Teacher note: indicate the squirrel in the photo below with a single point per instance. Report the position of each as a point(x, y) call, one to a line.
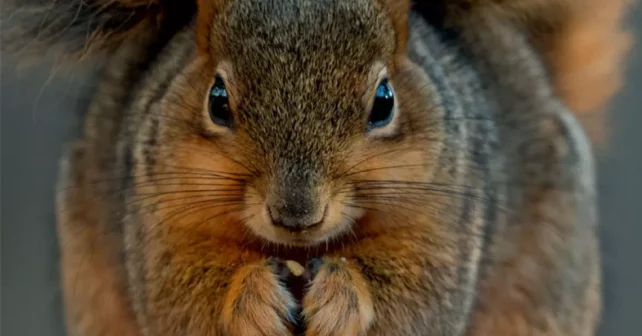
point(424, 161)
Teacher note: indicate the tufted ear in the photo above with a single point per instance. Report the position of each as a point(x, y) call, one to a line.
point(398, 11)
point(582, 42)
point(75, 30)
point(208, 10)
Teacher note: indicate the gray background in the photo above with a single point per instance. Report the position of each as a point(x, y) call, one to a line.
point(38, 114)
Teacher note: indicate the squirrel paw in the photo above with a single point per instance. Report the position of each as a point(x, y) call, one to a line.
point(337, 302)
point(258, 303)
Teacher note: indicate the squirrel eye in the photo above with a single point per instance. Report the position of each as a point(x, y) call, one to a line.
point(383, 108)
point(219, 104)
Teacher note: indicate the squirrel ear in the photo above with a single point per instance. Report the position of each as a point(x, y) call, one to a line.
point(74, 30)
point(398, 11)
point(207, 12)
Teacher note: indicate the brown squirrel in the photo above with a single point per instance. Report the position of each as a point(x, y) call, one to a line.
point(420, 159)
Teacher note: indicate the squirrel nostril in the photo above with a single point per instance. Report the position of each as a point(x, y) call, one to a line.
point(324, 214)
point(274, 216)
point(296, 221)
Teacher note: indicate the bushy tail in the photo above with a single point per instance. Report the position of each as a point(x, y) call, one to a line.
point(584, 43)
point(74, 30)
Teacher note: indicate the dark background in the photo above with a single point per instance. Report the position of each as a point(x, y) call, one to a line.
point(38, 115)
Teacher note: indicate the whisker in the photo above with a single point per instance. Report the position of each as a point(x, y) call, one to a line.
point(187, 210)
point(361, 207)
point(190, 191)
point(199, 149)
point(223, 213)
point(208, 198)
point(144, 196)
point(194, 204)
point(162, 177)
point(396, 206)
point(368, 158)
point(384, 168)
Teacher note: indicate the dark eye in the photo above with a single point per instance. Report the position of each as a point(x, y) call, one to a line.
point(383, 108)
point(219, 104)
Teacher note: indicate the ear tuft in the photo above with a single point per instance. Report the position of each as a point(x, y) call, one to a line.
point(208, 10)
point(397, 11)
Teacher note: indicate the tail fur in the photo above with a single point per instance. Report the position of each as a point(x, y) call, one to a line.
point(584, 44)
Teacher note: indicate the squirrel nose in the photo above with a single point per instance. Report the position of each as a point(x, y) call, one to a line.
point(296, 218)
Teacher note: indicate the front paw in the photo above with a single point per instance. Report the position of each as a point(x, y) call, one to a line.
point(258, 303)
point(337, 302)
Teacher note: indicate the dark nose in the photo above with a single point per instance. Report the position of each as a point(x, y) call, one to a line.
point(296, 217)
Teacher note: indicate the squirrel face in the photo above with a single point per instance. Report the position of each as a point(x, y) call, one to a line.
point(302, 102)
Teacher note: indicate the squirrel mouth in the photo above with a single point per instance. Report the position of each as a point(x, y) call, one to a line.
point(305, 238)
point(302, 250)
point(325, 235)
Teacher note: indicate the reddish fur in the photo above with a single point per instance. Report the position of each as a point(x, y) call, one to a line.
point(584, 45)
point(255, 304)
point(89, 280)
point(331, 296)
point(398, 12)
point(587, 58)
point(208, 10)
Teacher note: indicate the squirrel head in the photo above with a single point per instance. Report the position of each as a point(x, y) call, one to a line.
point(304, 108)
point(305, 94)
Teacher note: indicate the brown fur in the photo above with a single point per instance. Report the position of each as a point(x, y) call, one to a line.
point(64, 26)
point(587, 58)
point(472, 213)
point(256, 303)
point(584, 44)
point(339, 294)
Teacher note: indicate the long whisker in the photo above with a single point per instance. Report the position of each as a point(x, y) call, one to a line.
point(384, 168)
point(238, 208)
point(199, 149)
point(168, 175)
point(150, 195)
point(393, 205)
point(423, 192)
point(194, 205)
point(368, 158)
point(208, 198)
point(190, 209)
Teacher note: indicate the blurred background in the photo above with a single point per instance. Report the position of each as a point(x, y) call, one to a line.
point(38, 115)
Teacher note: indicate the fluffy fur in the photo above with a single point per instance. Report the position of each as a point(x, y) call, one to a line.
point(74, 30)
point(584, 44)
point(472, 214)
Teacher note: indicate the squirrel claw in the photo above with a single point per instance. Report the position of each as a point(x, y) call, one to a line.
point(312, 268)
